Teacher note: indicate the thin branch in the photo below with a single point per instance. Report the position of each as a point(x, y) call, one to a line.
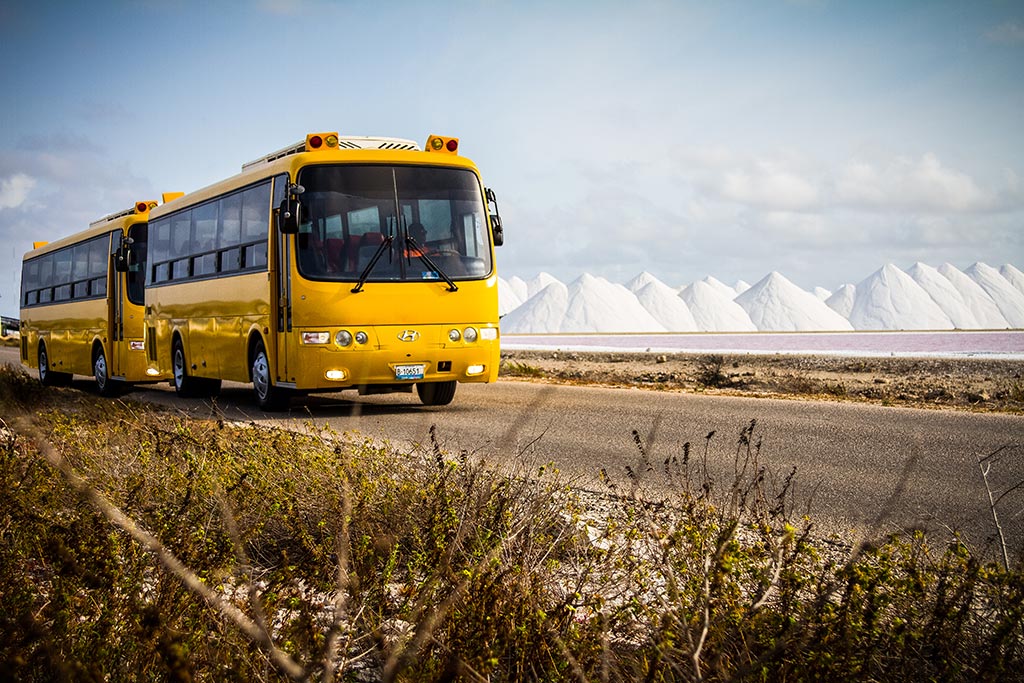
point(282, 660)
point(984, 465)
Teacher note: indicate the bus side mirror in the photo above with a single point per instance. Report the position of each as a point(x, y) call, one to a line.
point(287, 217)
point(496, 230)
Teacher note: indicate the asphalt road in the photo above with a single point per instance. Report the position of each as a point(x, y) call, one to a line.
point(862, 468)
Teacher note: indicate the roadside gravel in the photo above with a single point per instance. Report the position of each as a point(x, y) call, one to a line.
point(976, 384)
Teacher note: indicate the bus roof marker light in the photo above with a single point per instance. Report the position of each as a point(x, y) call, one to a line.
point(440, 143)
point(319, 141)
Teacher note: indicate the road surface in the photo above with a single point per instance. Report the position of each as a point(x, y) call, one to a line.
point(863, 468)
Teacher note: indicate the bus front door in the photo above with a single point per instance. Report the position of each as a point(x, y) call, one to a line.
point(284, 372)
point(116, 347)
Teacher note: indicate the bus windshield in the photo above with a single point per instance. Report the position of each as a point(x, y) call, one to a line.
point(434, 217)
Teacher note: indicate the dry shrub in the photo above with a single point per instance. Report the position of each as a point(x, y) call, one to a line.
point(362, 562)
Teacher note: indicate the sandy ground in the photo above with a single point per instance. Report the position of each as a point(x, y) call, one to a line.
point(961, 383)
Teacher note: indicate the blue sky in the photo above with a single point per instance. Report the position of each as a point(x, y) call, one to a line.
point(818, 138)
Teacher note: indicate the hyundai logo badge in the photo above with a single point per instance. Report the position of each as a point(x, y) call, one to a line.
point(409, 335)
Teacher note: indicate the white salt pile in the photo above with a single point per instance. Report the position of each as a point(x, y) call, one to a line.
point(776, 304)
point(724, 289)
point(538, 283)
point(542, 313)
point(977, 299)
point(923, 298)
point(841, 300)
point(889, 299)
point(943, 293)
point(714, 311)
point(596, 305)
point(1008, 300)
point(508, 299)
point(1014, 276)
point(518, 285)
point(640, 281)
point(662, 302)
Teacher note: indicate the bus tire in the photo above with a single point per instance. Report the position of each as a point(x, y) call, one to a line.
point(48, 377)
point(105, 386)
point(185, 385)
point(268, 396)
point(436, 393)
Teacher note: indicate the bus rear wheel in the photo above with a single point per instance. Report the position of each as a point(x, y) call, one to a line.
point(186, 385)
point(268, 396)
point(47, 377)
point(436, 393)
point(105, 386)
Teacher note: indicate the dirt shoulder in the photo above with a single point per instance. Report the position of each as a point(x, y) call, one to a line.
point(975, 384)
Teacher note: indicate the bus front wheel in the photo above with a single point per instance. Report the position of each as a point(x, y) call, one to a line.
point(47, 376)
point(436, 393)
point(105, 386)
point(186, 385)
point(268, 396)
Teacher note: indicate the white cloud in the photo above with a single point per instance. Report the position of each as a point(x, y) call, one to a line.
point(767, 184)
point(1007, 33)
point(902, 183)
point(14, 190)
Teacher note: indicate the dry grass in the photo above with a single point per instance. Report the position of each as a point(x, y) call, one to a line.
point(140, 544)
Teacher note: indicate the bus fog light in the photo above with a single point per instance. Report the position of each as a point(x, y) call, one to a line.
point(316, 337)
point(470, 334)
point(361, 338)
point(474, 369)
point(343, 338)
point(489, 333)
point(137, 345)
point(336, 375)
point(454, 335)
point(152, 372)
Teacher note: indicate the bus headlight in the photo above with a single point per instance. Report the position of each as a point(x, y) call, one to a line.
point(361, 338)
point(489, 333)
point(470, 334)
point(454, 335)
point(316, 337)
point(343, 338)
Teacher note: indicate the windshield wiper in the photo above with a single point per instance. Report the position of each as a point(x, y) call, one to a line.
point(415, 248)
point(369, 266)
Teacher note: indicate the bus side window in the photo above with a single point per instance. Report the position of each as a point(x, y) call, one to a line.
point(255, 223)
point(180, 244)
point(229, 232)
point(98, 262)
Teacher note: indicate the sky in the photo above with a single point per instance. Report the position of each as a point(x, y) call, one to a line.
point(818, 138)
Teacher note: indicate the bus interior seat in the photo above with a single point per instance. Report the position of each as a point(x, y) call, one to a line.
point(368, 245)
point(337, 260)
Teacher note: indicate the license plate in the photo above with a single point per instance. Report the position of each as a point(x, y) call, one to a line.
point(409, 372)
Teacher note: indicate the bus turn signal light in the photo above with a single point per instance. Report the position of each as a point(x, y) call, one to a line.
point(438, 143)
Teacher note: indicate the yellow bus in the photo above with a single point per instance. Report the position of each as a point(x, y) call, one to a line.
point(82, 303)
point(334, 263)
